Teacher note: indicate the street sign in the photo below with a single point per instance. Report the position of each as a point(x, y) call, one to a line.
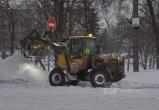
point(51, 24)
point(135, 22)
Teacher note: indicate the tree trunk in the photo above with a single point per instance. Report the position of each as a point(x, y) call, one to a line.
point(12, 36)
point(128, 63)
point(86, 16)
point(59, 11)
point(11, 27)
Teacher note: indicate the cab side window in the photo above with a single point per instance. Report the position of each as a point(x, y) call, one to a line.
point(90, 47)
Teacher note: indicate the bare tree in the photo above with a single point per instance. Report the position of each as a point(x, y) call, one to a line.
point(155, 28)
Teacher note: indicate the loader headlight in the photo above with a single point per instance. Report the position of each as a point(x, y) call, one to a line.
point(120, 60)
point(36, 46)
point(90, 35)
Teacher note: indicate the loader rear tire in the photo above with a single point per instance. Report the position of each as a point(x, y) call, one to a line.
point(56, 78)
point(99, 79)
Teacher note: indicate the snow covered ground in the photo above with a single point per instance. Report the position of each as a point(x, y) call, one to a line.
point(23, 86)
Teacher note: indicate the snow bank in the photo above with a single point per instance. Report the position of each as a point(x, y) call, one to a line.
point(140, 80)
point(16, 69)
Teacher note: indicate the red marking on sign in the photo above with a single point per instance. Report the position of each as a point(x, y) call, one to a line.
point(51, 24)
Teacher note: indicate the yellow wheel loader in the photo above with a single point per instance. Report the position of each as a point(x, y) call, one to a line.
point(77, 59)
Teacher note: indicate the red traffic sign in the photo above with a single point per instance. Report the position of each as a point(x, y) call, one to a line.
point(51, 24)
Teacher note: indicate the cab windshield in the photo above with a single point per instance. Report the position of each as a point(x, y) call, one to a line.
point(76, 48)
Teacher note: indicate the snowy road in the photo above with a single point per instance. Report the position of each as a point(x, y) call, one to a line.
point(18, 97)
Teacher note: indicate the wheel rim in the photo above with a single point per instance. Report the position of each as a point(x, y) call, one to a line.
point(56, 78)
point(99, 79)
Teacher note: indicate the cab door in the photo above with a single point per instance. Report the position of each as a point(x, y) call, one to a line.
point(89, 53)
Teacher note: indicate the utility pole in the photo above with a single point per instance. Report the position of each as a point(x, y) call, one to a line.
point(135, 25)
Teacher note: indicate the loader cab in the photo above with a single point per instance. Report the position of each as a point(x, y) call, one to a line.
point(80, 46)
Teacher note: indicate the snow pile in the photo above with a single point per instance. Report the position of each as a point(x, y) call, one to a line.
point(33, 74)
point(19, 69)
